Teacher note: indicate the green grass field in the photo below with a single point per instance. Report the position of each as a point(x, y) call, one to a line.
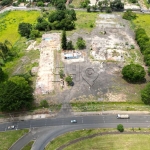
point(85, 21)
point(114, 142)
point(105, 142)
point(67, 137)
point(9, 22)
point(143, 20)
point(9, 137)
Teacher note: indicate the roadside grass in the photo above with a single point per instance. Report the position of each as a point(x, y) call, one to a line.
point(67, 137)
point(114, 142)
point(9, 22)
point(108, 106)
point(70, 136)
point(143, 21)
point(28, 146)
point(9, 137)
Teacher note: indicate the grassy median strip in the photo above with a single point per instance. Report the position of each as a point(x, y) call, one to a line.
point(28, 146)
point(9, 137)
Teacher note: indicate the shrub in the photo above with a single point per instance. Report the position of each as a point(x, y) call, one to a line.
point(133, 73)
point(68, 79)
point(120, 127)
point(44, 103)
point(129, 15)
point(80, 43)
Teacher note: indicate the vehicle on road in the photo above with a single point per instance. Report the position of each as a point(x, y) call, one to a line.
point(11, 127)
point(73, 121)
point(123, 116)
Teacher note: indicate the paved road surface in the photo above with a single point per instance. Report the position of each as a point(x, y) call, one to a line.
point(104, 119)
point(51, 128)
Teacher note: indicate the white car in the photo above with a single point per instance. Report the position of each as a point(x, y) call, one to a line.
point(73, 121)
point(11, 127)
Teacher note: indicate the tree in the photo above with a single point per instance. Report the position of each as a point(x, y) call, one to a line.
point(117, 5)
point(80, 43)
point(133, 73)
point(70, 45)
point(25, 29)
point(40, 4)
point(68, 79)
point(120, 127)
point(2, 75)
point(88, 8)
point(6, 2)
point(100, 5)
point(15, 94)
point(34, 34)
point(64, 40)
point(5, 49)
point(129, 15)
point(145, 94)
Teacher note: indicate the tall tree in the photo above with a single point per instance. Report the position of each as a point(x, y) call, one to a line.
point(64, 40)
point(24, 29)
point(15, 94)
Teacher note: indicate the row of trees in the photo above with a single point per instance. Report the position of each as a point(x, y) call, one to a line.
point(144, 43)
point(60, 19)
point(67, 45)
point(106, 5)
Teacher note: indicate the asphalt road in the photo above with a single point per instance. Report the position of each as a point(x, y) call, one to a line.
point(98, 119)
point(53, 127)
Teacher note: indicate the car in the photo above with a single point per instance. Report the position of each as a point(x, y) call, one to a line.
point(11, 127)
point(73, 121)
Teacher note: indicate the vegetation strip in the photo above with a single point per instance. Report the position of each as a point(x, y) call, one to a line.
point(98, 134)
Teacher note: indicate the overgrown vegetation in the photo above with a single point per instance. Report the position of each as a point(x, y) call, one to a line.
point(129, 15)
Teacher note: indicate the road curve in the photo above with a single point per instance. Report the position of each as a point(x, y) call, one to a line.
point(52, 128)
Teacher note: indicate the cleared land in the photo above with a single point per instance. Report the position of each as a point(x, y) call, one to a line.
point(143, 21)
point(9, 137)
point(9, 22)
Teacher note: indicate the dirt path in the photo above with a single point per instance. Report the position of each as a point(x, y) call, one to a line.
point(95, 135)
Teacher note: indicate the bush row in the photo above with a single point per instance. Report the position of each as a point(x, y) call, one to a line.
point(144, 43)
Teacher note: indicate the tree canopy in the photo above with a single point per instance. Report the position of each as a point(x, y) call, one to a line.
point(80, 43)
point(133, 73)
point(145, 94)
point(25, 29)
point(15, 94)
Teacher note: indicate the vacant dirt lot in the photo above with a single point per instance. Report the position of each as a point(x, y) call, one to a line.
point(109, 47)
